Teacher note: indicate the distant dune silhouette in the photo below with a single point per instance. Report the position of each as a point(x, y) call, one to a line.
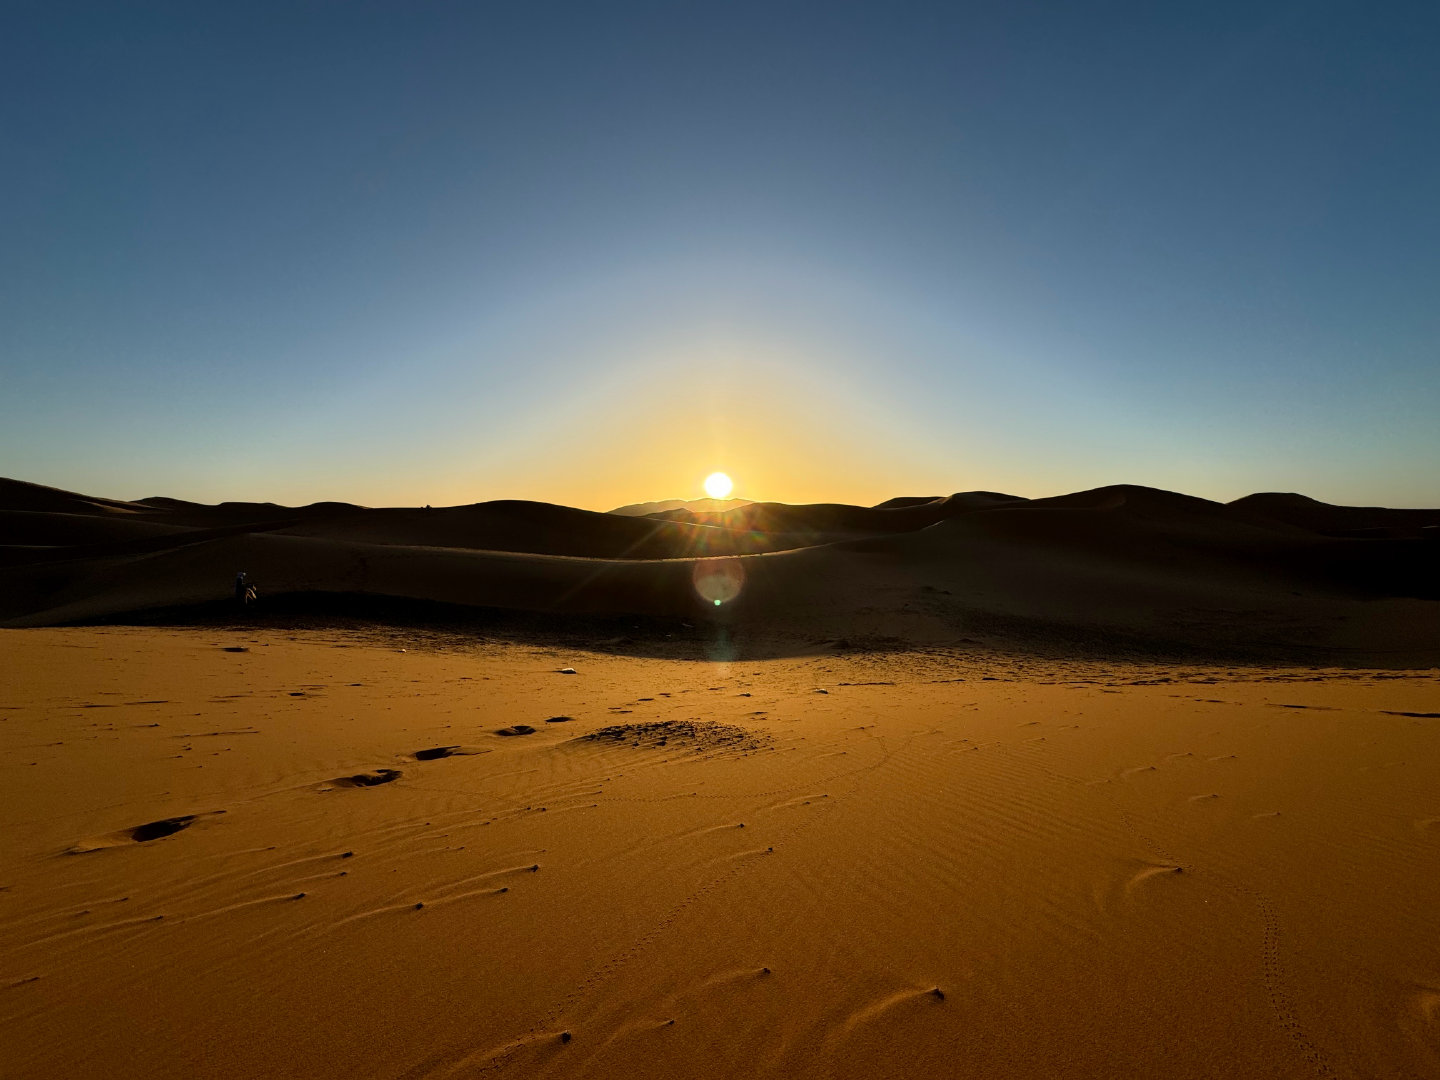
point(698, 505)
point(1116, 568)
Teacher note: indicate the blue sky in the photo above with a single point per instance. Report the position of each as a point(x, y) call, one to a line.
point(410, 253)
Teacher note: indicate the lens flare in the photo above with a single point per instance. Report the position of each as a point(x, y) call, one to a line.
point(718, 581)
point(718, 485)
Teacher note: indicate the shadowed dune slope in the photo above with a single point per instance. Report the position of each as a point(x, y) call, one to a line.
point(1303, 512)
point(1121, 566)
point(43, 529)
point(542, 529)
point(827, 521)
point(37, 498)
point(967, 500)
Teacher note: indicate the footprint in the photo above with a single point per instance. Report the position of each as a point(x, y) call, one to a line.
point(139, 834)
point(434, 753)
point(154, 830)
point(367, 779)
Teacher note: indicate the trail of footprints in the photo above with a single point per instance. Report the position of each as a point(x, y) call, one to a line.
point(701, 736)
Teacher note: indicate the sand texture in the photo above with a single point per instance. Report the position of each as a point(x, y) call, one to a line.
point(255, 852)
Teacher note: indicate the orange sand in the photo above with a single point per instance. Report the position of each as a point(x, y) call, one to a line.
point(1105, 869)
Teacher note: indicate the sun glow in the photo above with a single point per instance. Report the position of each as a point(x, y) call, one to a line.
point(718, 485)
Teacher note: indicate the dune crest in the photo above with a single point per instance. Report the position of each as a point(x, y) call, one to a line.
point(1117, 568)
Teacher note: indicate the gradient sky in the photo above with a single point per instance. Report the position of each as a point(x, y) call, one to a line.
point(588, 253)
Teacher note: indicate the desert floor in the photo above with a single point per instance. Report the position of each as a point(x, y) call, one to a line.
point(838, 865)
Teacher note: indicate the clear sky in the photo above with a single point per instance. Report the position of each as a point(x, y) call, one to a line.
point(589, 253)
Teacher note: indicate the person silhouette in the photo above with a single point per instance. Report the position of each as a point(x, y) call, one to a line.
point(245, 591)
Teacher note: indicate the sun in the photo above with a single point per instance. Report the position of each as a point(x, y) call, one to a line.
point(718, 485)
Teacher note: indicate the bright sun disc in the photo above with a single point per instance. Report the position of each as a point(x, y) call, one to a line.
point(718, 485)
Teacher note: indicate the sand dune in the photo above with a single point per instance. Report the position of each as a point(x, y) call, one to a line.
point(1116, 783)
point(696, 505)
point(1331, 520)
point(1106, 569)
